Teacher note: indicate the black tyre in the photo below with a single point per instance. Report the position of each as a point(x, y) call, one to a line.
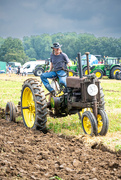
point(10, 112)
point(89, 123)
point(113, 72)
point(102, 122)
point(118, 75)
point(102, 101)
point(98, 73)
point(38, 71)
point(33, 105)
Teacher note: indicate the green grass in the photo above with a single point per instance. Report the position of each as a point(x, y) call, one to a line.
point(70, 125)
point(56, 177)
point(112, 91)
point(118, 147)
point(9, 91)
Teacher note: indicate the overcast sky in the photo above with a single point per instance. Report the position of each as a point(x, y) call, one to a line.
point(19, 18)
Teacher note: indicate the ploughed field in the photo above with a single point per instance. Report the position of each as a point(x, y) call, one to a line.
point(32, 155)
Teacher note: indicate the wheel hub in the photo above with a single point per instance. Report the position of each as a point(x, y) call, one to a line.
point(87, 125)
point(29, 110)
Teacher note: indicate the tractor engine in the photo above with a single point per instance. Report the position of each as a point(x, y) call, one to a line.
point(80, 93)
point(74, 95)
point(84, 92)
point(60, 103)
point(59, 106)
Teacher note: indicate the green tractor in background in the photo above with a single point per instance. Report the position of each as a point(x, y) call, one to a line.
point(108, 68)
point(41, 68)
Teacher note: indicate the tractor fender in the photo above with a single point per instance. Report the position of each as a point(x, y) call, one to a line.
point(117, 65)
point(85, 66)
point(38, 66)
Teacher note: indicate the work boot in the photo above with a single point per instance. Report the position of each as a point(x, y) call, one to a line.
point(53, 93)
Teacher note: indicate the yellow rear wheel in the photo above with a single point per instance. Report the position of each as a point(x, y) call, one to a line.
point(28, 105)
point(33, 105)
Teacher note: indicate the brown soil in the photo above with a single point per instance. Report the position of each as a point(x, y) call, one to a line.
point(32, 155)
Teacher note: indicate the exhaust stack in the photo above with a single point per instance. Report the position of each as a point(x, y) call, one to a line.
point(80, 65)
point(87, 55)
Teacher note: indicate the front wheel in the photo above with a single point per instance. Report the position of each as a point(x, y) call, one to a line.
point(33, 105)
point(102, 122)
point(118, 75)
point(89, 123)
point(98, 73)
point(38, 71)
point(113, 72)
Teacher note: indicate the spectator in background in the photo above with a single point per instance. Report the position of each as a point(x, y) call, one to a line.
point(9, 70)
point(18, 71)
point(21, 71)
point(25, 71)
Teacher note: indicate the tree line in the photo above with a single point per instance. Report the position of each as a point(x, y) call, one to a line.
point(39, 47)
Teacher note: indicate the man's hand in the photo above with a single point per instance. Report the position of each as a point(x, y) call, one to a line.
point(69, 64)
point(51, 66)
point(48, 70)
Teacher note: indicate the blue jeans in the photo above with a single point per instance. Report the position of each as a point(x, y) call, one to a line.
point(60, 74)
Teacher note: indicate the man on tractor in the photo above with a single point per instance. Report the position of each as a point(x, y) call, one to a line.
point(58, 62)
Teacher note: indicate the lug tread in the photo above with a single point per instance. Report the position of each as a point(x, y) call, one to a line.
point(40, 103)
